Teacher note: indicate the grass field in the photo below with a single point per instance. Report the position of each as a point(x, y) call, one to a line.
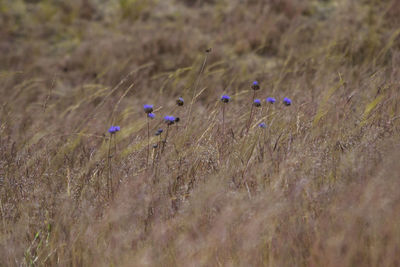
point(318, 186)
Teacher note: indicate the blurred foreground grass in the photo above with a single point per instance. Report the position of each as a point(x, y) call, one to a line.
point(318, 187)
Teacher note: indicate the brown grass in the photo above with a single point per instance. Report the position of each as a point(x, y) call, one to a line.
point(318, 187)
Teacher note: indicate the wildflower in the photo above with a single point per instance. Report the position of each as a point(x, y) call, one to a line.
point(112, 130)
point(287, 101)
point(255, 85)
point(225, 98)
point(180, 101)
point(257, 102)
point(262, 125)
point(169, 120)
point(151, 115)
point(148, 108)
point(159, 132)
point(117, 128)
point(270, 100)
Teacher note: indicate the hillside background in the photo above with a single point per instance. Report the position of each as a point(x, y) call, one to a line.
point(318, 187)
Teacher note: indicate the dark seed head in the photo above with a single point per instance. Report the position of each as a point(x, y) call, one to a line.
point(180, 101)
point(159, 132)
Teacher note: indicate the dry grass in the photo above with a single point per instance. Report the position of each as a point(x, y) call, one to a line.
point(318, 187)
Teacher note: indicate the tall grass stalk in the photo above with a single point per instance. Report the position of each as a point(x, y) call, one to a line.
point(196, 85)
point(251, 112)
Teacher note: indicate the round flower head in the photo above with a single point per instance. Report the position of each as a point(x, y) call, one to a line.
point(117, 128)
point(151, 115)
point(177, 119)
point(225, 98)
point(159, 131)
point(257, 102)
point(180, 101)
point(287, 101)
point(262, 125)
point(148, 108)
point(255, 85)
point(112, 130)
point(169, 120)
point(271, 100)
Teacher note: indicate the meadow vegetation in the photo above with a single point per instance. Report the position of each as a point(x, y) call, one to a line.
point(318, 186)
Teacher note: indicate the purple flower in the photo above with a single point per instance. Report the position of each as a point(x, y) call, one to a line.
point(151, 115)
point(257, 102)
point(271, 100)
point(262, 125)
point(287, 101)
point(148, 108)
point(255, 85)
point(111, 130)
point(225, 98)
point(180, 101)
point(169, 120)
point(114, 129)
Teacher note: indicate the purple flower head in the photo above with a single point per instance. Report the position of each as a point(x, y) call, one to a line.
point(148, 108)
point(257, 102)
point(262, 125)
point(225, 98)
point(180, 101)
point(114, 129)
point(159, 132)
point(111, 130)
point(287, 101)
point(151, 115)
point(270, 100)
point(169, 120)
point(255, 85)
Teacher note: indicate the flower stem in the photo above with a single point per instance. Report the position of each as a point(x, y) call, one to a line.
point(109, 179)
point(223, 119)
point(148, 141)
point(251, 111)
point(165, 140)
